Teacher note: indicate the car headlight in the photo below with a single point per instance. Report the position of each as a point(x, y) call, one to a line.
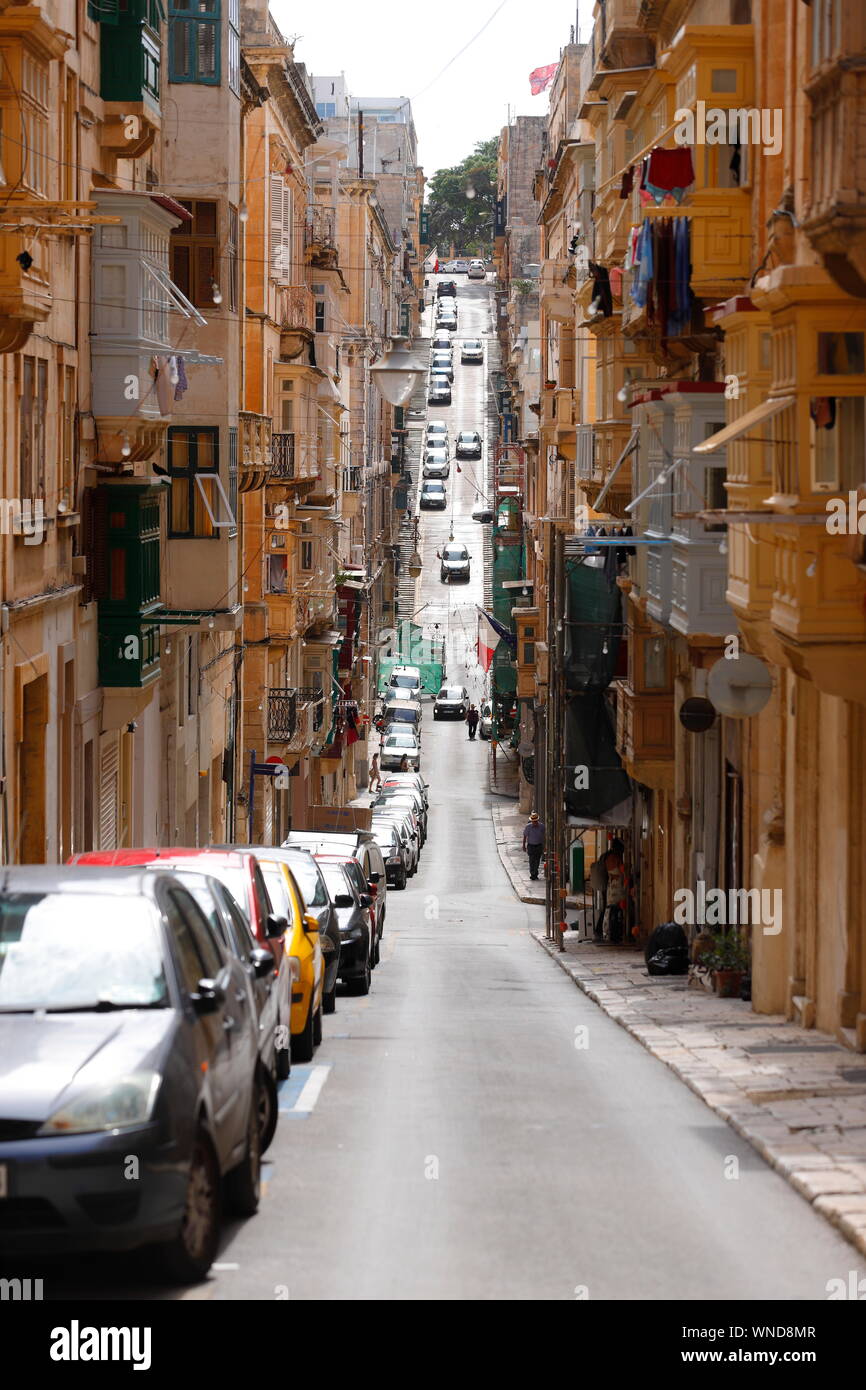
point(294, 967)
point(120, 1104)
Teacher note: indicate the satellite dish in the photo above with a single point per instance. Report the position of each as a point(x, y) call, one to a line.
point(740, 686)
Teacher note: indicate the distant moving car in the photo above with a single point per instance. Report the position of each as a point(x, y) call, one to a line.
point(436, 464)
point(455, 562)
point(472, 350)
point(485, 723)
point(357, 932)
point(446, 289)
point(476, 270)
point(406, 680)
point(452, 702)
point(468, 445)
point(124, 1029)
point(442, 364)
point(396, 747)
point(433, 494)
point(439, 391)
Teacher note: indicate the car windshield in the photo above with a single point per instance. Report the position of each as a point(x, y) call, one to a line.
point(452, 693)
point(468, 437)
point(278, 890)
point(309, 881)
point(335, 878)
point(405, 682)
point(400, 715)
point(437, 456)
point(400, 741)
point(454, 552)
point(472, 343)
point(432, 486)
point(67, 951)
point(234, 878)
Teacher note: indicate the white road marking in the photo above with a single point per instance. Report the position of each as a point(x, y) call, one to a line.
point(306, 1102)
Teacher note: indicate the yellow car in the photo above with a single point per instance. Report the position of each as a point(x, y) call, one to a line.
point(302, 945)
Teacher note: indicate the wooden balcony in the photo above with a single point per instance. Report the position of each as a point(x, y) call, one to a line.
point(557, 296)
point(25, 290)
point(254, 446)
point(645, 735)
point(835, 220)
point(296, 311)
point(320, 237)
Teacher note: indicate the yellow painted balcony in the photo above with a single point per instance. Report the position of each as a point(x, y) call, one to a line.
point(254, 450)
point(818, 609)
point(645, 732)
point(557, 296)
point(835, 221)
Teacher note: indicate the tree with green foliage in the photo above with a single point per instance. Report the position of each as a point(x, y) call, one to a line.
point(461, 203)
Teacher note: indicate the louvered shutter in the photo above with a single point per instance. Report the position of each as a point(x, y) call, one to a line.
point(288, 232)
point(279, 242)
point(109, 773)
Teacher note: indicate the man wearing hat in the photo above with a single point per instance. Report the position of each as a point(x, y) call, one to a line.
point(533, 843)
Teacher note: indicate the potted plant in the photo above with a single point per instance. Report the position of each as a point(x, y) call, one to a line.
point(729, 961)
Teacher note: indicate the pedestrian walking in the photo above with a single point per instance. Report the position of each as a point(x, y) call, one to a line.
point(533, 843)
point(472, 720)
point(375, 775)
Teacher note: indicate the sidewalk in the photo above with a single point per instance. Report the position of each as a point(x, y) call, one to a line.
point(797, 1096)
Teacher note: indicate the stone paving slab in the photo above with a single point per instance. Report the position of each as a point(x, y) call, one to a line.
point(795, 1107)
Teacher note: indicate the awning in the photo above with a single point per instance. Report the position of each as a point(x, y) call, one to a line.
point(177, 297)
point(765, 411)
point(629, 449)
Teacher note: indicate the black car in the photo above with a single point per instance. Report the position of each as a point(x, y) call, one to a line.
point(130, 1021)
point(317, 902)
point(356, 925)
point(446, 288)
point(230, 924)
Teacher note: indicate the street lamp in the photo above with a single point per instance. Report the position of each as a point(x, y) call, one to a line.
point(398, 373)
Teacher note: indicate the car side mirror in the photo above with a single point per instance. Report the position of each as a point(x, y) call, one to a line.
point(311, 923)
point(275, 926)
point(365, 900)
point(344, 900)
point(262, 963)
point(375, 878)
point(207, 997)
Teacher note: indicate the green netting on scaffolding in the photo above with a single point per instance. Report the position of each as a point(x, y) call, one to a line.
point(507, 566)
point(503, 672)
point(593, 624)
point(595, 780)
point(411, 648)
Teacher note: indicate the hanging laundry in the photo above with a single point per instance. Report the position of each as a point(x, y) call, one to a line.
point(630, 257)
point(627, 184)
point(669, 171)
point(683, 275)
point(659, 308)
point(644, 265)
point(601, 291)
point(182, 382)
point(615, 277)
point(735, 164)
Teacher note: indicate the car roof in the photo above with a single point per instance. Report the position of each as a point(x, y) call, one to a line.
point(114, 858)
point(71, 878)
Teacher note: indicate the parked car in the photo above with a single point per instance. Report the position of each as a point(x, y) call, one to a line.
point(468, 444)
point(357, 934)
point(396, 860)
point(446, 317)
point(317, 903)
point(446, 289)
point(361, 853)
point(472, 350)
point(405, 796)
point(477, 270)
point(230, 925)
point(439, 391)
point(452, 702)
point(239, 870)
point(436, 436)
point(456, 562)
point(400, 711)
point(483, 514)
point(414, 779)
point(436, 464)
point(122, 1009)
point(396, 747)
point(485, 723)
point(442, 341)
point(461, 267)
point(433, 494)
point(405, 680)
point(442, 364)
point(304, 945)
point(410, 838)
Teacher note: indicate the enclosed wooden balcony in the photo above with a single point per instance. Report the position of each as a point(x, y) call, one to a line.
point(25, 289)
point(835, 220)
point(645, 734)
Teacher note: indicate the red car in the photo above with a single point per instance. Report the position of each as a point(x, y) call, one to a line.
point(240, 872)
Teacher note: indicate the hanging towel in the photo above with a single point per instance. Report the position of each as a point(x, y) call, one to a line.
point(627, 182)
point(182, 383)
point(669, 171)
point(644, 263)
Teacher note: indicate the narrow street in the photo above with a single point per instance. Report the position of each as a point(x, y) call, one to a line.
point(478, 1129)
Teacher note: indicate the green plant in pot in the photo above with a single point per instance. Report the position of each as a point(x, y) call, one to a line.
point(729, 960)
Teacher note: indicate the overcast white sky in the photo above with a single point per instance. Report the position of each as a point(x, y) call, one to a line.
point(397, 47)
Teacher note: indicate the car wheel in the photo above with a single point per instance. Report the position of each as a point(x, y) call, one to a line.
point(303, 1043)
point(317, 1026)
point(401, 881)
point(362, 986)
point(244, 1183)
point(267, 1110)
point(329, 1001)
point(187, 1258)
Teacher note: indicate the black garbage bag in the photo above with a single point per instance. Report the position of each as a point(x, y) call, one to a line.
point(667, 951)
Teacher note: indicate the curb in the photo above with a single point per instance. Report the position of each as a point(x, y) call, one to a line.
point(832, 1191)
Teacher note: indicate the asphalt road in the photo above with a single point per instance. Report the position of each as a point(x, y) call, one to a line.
point(475, 1128)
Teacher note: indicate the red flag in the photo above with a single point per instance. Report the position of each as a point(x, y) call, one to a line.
point(541, 78)
point(488, 641)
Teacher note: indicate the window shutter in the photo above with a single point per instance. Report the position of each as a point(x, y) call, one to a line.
point(279, 246)
point(109, 770)
point(288, 231)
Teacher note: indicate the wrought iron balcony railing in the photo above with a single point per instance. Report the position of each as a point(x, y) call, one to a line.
point(282, 456)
